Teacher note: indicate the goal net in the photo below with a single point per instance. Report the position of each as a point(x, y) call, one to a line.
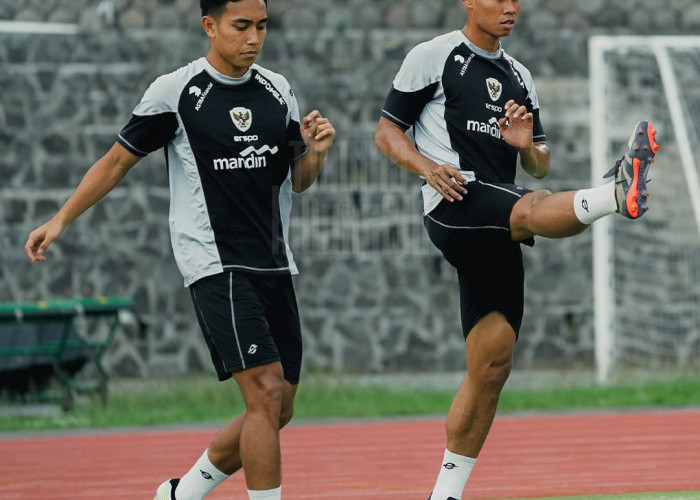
point(647, 272)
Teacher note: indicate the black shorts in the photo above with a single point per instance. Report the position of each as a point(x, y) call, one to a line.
point(474, 236)
point(249, 320)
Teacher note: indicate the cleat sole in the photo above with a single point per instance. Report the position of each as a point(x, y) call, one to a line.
point(631, 172)
point(652, 138)
point(642, 148)
point(633, 193)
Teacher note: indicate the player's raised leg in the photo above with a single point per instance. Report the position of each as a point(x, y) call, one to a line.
point(571, 212)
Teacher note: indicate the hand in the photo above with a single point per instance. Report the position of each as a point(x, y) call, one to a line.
point(40, 239)
point(318, 132)
point(447, 181)
point(516, 126)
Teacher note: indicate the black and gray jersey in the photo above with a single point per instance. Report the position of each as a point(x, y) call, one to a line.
point(230, 146)
point(453, 93)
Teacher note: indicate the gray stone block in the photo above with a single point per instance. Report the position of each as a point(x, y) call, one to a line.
point(374, 294)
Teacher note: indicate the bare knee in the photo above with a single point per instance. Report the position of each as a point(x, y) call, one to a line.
point(288, 394)
point(521, 226)
point(262, 389)
point(286, 414)
point(268, 397)
point(491, 373)
point(496, 374)
point(490, 353)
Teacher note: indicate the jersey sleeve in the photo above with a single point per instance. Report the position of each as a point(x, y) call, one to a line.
point(154, 121)
point(538, 134)
point(297, 147)
point(413, 87)
point(532, 103)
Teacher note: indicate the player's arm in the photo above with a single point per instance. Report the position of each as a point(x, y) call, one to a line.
point(318, 134)
point(535, 159)
point(517, 130)
point(99, 180)
point(392, 141)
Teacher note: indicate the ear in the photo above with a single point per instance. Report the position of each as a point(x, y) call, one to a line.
point(469, 4)
point(209, 25)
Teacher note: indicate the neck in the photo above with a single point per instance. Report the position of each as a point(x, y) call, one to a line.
point(225, 68)
point(481, 39)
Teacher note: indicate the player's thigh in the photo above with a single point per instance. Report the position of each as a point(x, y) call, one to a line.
point(521, 215)
point(231, 314)
point(285, 327)
point(457, 228)
point(492, 280)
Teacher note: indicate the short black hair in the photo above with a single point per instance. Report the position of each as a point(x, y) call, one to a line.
point(214, 7)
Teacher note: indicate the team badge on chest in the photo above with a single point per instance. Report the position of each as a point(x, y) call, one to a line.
point(495, 88)
point(242, 118)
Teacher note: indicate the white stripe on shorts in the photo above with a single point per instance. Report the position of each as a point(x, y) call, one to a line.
point(233, 318)
point(204, 320)
point(465, 227)
point(501, 188)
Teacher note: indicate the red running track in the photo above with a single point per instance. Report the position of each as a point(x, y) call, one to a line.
point(523, 457)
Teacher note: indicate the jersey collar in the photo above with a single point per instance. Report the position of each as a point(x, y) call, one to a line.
point(227, 80)
point(479, 51)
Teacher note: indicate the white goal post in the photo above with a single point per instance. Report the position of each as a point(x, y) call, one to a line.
point(649, 268)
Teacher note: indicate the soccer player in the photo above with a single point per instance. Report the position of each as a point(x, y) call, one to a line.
point(235, 149)
point(474, 111)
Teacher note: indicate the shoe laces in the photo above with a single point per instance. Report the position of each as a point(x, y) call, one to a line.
point(616, 167)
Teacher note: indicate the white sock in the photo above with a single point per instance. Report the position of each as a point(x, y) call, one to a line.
point(274, 494)
point(199, 480)
point(453, 476)
point(594, 203)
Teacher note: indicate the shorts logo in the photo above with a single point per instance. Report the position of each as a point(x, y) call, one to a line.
point(494, 87)
point(252, 349)
point(242, 118)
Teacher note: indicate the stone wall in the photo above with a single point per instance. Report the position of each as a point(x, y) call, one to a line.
point(374, 296)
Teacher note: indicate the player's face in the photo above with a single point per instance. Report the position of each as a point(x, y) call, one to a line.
point(236, 36)
point(492, 18)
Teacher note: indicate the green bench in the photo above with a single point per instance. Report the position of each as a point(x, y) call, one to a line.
point(81, 327)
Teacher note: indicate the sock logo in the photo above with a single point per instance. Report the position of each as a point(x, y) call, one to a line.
point(206, 475)
point(584, 204)
point(449, 466)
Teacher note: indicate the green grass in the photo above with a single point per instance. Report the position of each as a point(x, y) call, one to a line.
point(199, 400)
point(681, 392)
point(203, 400)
